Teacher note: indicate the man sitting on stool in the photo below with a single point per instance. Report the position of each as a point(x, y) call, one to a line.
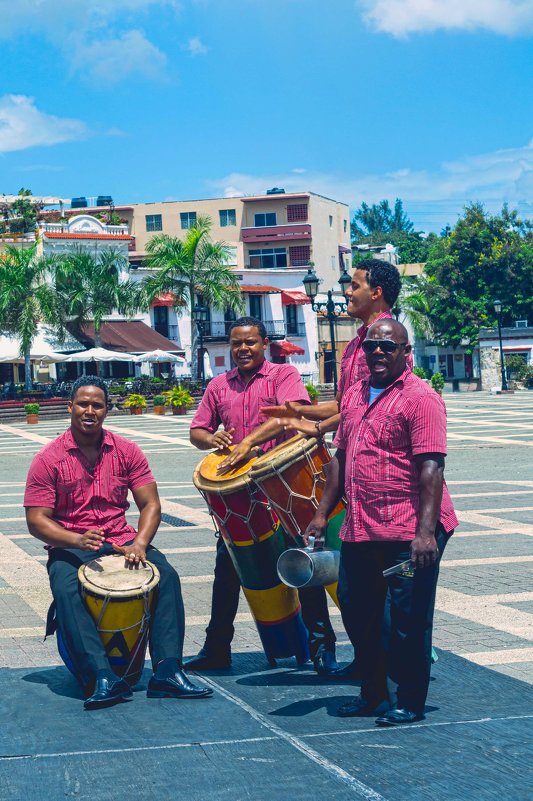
point(76, 502)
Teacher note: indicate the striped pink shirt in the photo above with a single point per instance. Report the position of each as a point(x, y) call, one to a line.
point(382, 479)
point(60, 478)
point(229, 402)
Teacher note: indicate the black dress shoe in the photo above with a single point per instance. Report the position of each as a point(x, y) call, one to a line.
point(176, 686)
point(325, 663)
point(350, 671)
point(360, 707)
point(398, 717)
point(206, 661)
point(107, 693)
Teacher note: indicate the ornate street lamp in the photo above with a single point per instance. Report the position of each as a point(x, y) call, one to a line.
point(498, 309)
point(200, 315)
point(331, 309)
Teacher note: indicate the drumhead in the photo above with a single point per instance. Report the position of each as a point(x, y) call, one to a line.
point(205, 476)
point(107, 575)
point(283, 455)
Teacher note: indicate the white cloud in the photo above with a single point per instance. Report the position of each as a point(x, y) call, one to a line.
point(196, 47)
point(22, 125)
point(402, 17)
point(491, 178)
point(112, 59)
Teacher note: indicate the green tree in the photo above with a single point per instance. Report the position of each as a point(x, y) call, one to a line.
point(23, 213)
point(379, 224)
point(92, 289)
point(414, 304)
point(193, 266)
point(27, 297)
point(482, 258)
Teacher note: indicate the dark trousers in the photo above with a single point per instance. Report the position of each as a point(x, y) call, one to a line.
point(406, 661)
point(77, 628)
point(225, 601)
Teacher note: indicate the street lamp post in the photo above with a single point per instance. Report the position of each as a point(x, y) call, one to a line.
point(498, 309)
point(331, 309)
point(200, 315)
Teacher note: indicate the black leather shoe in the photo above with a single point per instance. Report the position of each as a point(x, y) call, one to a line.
point(176, 686)
point(107, 693)
point(350, 671)
point(206, 661)
point(398, 717)
point(325, 663)
point(360, 707)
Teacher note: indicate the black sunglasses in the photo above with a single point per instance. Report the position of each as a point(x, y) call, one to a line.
point(385, 345)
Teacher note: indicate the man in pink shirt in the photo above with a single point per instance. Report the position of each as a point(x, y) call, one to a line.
point(76, 502)
point(233, 400)
point(390, 465)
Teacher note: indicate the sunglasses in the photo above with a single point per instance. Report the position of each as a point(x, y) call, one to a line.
point(385, 345)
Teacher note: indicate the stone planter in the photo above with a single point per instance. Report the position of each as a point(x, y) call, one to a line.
point(159, 410)
point(31, 419)
point(179, 410)
point(135, 410)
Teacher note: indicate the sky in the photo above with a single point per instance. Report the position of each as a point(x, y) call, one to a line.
point(150, 100)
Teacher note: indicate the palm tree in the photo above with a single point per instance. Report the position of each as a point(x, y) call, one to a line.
point(193, 266)
point(93, 289)
point(415, 304)
point(27, 297)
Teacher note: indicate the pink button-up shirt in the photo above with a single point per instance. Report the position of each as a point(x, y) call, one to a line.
point(60, 478)
point(229, 402)
point(382, 483)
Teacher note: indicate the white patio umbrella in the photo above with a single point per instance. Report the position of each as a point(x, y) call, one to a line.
point(160, 356)
point(10, 352)
point(100, 355)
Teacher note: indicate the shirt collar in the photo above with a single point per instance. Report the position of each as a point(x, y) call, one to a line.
point(263, 370)
point(71, 444)
point(386, 315)
point(399, 382)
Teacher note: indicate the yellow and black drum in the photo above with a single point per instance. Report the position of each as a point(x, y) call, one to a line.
point(121, 602)
point(255, 540)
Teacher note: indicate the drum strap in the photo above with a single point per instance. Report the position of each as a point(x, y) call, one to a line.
point(145, 618)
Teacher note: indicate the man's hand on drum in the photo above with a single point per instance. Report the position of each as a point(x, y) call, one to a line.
point(290, 409)
point(134, 554)
point(240, 452)
point(316, 529)
point(222, 439)
point(92, 539)
point(298, 424)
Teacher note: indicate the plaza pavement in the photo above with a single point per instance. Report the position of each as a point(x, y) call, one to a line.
point(484, 601)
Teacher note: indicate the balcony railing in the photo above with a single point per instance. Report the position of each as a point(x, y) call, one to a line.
point(63, 228)
point(218, 329)
point(295, 329)
point(169, 331)
point(272, 233)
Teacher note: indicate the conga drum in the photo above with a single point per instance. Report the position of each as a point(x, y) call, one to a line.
point(254, 539)
point(121, 602)
point(292, 476)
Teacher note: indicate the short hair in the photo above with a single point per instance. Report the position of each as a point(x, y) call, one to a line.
point(249, 322)
point(384, 274)
point(89, 381)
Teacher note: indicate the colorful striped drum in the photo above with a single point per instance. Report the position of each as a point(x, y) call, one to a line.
point(292, 476)
point(255, 540)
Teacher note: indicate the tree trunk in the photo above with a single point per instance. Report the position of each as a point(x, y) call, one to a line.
point(97, 344)
point(28, 382)
point(194, 351)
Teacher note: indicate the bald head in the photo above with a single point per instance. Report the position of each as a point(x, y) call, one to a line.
point(388, 329)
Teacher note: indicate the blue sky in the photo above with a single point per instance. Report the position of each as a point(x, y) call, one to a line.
point(146, 100)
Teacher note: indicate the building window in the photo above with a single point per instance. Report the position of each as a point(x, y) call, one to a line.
point(268, 257)
point(227, 217)
point(297, 212)
point(161, 320)
point(256, 307)
point(291, 318)
point(331, 221)
point(345, 225)
point(300, 255)
point(154, 222)
point(188, 219)
point(262, 220)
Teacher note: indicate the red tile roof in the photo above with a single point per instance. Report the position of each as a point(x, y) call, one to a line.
point(128, 336)
point(259, 289)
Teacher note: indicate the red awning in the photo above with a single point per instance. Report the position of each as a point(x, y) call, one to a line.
point(259, 289)
point(284, 348)
point(164, 299)
point(292, 297)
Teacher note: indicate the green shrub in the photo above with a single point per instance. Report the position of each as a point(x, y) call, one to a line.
point(31, 408)
point(178, 396)
point(437, 382)
point(135, 401)
point(419, 371)
point(159, 400)
point(312, 391)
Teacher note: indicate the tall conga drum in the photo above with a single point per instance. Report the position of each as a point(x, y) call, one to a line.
point(121, 602)
point(254, 539)
point(293, 477)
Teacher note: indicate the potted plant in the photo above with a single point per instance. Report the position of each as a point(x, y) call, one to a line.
point(420, 372)
point(135, 403)
point(179, 399)
point(159, 404)
point(32, 412)
point(437, 382)
point(312, 392)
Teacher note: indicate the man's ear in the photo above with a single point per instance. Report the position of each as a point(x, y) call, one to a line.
point(377, 292)
point(408, 348)
point(266, 343)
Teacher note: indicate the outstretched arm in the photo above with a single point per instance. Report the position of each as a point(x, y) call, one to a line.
point(321, 411)
point(333, 492)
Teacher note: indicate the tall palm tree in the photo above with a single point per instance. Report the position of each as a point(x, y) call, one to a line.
point(193, 266)
point(28, 296)
point(415, 304)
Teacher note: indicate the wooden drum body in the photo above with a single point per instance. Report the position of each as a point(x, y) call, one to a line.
point(293, 476)
point(255, 540)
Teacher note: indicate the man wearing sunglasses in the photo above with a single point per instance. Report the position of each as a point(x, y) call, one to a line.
point(390, 465)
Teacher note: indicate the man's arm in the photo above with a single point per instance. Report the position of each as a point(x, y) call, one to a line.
point(322, 411)
point(311, 428)
point(424, 551)
point(205, 440)
point(149, 506)
point(42, 525)
point(266, 431)
point(333, 492)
